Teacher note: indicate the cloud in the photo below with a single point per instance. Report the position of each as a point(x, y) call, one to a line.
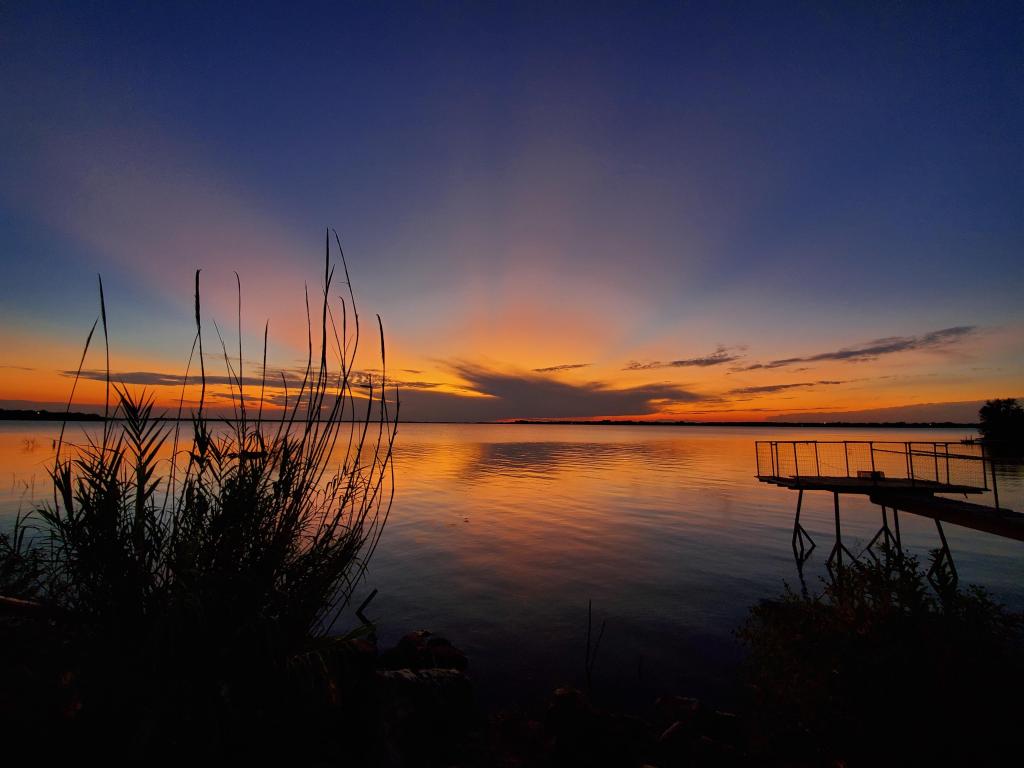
point(965, 412)
point(155, 379)
point(514, 396)
point(767, 389)
point(877, 348)
point(718, 357)
point(365, 379)
point(557, 368)
point(748, 409)
point(276, 379)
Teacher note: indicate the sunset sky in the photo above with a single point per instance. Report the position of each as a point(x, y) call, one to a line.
point(706, 211)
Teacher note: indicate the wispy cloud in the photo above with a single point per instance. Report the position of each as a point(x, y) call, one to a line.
point(156, 379)
point(557, 368)
point(749, 409)
point(877, 348)
point(276, 379)
point(768, 389)
point(718, 357)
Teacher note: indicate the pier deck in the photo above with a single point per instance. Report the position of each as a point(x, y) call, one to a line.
point(869, 486)
point(907, 477)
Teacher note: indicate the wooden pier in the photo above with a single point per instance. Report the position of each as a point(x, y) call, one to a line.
point(901, 477)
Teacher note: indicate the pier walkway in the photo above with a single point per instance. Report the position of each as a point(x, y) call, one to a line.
point(897, 476)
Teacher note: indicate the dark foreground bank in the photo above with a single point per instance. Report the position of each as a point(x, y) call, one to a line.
point(880, 668)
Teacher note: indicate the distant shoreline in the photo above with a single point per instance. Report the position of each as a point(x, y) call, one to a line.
point(851, 424)
point(20, 414)
point(44, 415)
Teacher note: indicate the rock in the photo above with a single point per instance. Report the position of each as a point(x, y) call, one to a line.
point(676, 709)
point(430, 692)
point(516, 740)
point(410, 649)
point(447, 656)
point(426, 712)
point(676, 735)
point(725, 727)
point(568, 710)
point(423, 650)
point(362, 646)
point(708, 751)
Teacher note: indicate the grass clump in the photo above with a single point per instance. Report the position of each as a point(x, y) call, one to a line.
point(190, 575)
point(880, 669)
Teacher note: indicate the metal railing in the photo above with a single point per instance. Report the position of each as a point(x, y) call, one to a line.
point(928, 463)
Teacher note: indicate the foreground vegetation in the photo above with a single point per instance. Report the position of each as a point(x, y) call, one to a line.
point(1002, 425)
point(881, 668)
point(180, 586)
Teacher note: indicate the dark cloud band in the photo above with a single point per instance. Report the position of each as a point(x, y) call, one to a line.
point(718, 357)
point(877, 348)
point(565, 367)
point(768, 389)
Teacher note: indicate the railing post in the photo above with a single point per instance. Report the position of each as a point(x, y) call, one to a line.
point(935, 455)
point(910, 462)
point(846, 454)
point(817, 467)
point(871, 450)
point(796, 460)
point(947, 463)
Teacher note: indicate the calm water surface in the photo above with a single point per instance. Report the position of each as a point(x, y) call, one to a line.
point(500, 534)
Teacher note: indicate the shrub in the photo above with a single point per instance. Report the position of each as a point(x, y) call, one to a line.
point(879, 669)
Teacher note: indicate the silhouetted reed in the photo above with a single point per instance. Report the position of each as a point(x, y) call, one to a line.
point(197, 591)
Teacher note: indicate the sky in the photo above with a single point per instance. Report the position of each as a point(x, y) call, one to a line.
point(700, 211)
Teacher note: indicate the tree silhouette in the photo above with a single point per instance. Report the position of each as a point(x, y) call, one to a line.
point(1002, 421)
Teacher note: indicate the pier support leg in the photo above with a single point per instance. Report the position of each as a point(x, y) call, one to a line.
point(802, 541)
point(942, 574)
point(888, 541)
point(839, 548)
point(896, 523)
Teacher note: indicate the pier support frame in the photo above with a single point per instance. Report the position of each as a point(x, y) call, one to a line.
point(839, 548)
point(884, 536)
point(943, 560)
point(802, 541)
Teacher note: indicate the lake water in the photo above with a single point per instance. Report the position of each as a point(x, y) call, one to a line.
point(500, 534)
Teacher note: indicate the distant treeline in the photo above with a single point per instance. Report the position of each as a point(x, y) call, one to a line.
point(852, 424)
point(14, 414)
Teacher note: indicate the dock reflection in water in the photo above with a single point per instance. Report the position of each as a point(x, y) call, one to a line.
point(500, 534)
